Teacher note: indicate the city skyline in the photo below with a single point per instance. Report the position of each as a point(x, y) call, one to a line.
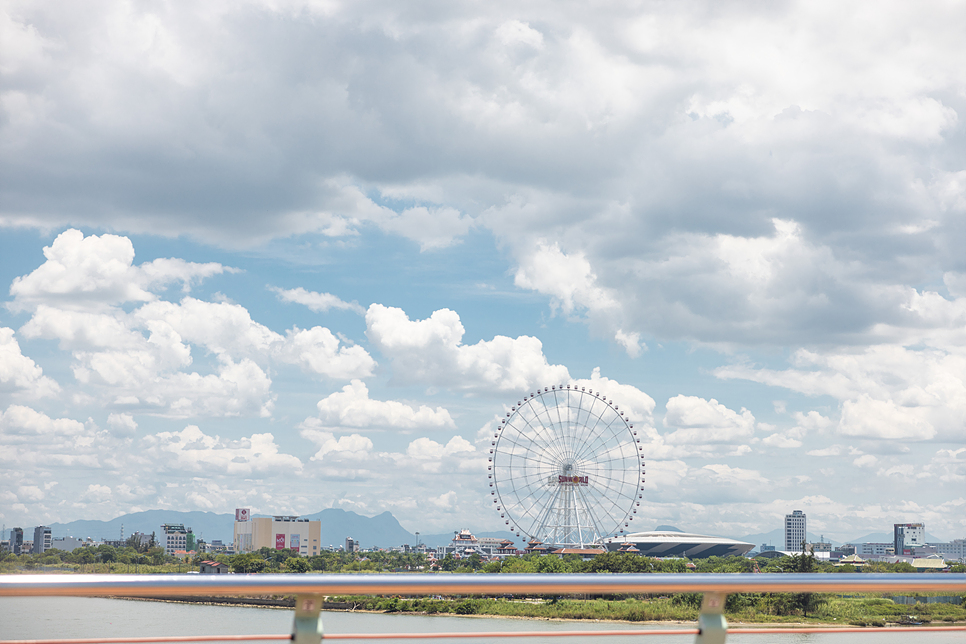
point(291, 257)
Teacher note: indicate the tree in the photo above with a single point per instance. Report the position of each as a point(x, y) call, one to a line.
point(297, 564)
point(448, 563)
point(619, 562)
point(549, 563)
point(247, 563)
point(106, 553)
point(83, 556)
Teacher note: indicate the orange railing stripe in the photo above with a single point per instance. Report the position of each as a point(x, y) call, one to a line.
point(468, 635)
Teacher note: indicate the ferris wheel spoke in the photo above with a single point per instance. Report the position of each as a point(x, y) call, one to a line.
point(613, 510)
point(586, 420)
point(599, 527)
point(600, 476)
point(604, 447)
point(524, 441)
point(598, 434)
point(603, 433)
point(550, 444)
point(540, 435)
point(524, 452)
point(537, 510)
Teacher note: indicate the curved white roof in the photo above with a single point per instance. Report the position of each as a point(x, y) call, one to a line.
point(678, 537)
point(668, 543)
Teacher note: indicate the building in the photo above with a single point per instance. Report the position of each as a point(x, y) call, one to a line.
point(586, 554)
point(766, 548)
point(175, 537)
point(351, 545)
point(213, 568)
point(140, 540)
point(16, 540)
point(907, 536)
point(878, 549)
point(42, 539)
point(818, 546)
point(465, 544)
point(795, 531)
point(69, 544)
point(679, 544)
point(278, 532)
point(955, 550)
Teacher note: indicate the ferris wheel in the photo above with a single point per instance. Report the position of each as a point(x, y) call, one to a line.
point(566, 467)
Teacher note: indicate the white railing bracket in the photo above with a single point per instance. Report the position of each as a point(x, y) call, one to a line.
point(307, 628)
point(712, 625)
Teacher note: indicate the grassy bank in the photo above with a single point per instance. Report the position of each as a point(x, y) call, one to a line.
point(742, 607)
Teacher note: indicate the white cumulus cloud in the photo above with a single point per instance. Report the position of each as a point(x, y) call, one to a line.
point(431, 351)
point(352, 407)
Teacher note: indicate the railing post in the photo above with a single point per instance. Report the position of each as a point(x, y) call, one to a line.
point(307, 628)
point(712, 624)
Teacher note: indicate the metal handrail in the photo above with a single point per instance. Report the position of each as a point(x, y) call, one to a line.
point(310, 589)
point(478, 584)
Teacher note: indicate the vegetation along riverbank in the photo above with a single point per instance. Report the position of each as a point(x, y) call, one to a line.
point(813, 608)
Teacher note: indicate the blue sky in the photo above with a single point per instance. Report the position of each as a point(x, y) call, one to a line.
point(300, 255)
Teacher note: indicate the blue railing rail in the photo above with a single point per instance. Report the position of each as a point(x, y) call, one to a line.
point(310, 589)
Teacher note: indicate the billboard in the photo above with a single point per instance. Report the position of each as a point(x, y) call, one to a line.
point(294, 541)
point(241, 514)
point(279, 541)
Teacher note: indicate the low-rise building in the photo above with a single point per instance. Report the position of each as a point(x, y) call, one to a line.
point(214, 568)
point(954, 550)
point(278, 532)
point(584, 553)
point(69, 544)
point(465, 544)
point(879, 549)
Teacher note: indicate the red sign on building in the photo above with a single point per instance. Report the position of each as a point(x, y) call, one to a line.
point(279, 541)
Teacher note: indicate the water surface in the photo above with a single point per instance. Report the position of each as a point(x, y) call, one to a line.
point(64, 617)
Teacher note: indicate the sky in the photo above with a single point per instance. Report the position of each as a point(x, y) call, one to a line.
point(295, 254)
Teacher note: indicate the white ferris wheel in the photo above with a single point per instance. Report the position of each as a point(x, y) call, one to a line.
point(566, 467)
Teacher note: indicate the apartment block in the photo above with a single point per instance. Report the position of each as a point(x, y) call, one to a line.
point(795, 530)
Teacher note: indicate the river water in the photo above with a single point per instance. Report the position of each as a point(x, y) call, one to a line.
point(64, 617)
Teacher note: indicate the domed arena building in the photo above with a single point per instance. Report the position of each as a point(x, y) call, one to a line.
point(669, 543)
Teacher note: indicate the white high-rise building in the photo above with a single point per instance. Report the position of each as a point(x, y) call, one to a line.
point(908, 536)
point(794, 531)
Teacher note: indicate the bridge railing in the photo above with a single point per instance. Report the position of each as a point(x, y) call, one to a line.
point(309, 589)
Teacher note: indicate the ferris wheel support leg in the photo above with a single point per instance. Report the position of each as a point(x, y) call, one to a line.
point(712, 625)
point(307, 628)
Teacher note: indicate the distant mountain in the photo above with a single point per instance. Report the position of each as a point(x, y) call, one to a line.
point(667, 528)
point(382, 530)
point(207, 524)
